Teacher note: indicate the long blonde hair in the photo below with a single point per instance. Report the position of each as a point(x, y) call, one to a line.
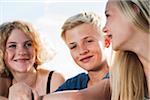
point(127, 77)
point(127, 74)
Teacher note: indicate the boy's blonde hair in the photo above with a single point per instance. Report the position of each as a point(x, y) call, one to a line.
point(76, 20)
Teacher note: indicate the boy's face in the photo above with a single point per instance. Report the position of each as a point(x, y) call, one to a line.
point(83, 42)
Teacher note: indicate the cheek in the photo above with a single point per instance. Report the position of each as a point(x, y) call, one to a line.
point(33, 53)
point(99, 54)
point(97, 50)
point(74, 56)
point(6, 59)
point(122, 33)
point(7, 56)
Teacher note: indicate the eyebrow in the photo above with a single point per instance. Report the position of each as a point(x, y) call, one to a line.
point(11, 42)
point(91, 37)
point(72, 43)
point(82, 39)
point(28, 41)
point(16, 42)
point(86, 37)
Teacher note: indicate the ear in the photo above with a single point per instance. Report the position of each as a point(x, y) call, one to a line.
point(107, 41)
point(136, 8)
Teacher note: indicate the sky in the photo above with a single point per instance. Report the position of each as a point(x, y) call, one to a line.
point(47, 16)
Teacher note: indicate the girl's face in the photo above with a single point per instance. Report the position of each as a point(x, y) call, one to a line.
point(118, 26)
point(19, 53)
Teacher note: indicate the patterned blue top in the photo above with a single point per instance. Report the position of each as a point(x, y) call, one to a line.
point(77, 83)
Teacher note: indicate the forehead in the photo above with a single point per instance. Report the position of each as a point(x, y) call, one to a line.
point(80, 32)
point(111, 5)
point(17, 35)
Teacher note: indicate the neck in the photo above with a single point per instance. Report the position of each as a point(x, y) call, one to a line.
point(142, 49)
point(96, 76)
point(143, 53)
point(29, 78)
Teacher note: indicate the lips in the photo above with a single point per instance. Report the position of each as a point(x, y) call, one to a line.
point(108, 35)
point(21, 60)
point(86, 59)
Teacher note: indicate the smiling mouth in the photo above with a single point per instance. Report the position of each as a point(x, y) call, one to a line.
point(86, 59)
point(22, 60)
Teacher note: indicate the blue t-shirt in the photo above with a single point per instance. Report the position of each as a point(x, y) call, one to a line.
point(77, 83)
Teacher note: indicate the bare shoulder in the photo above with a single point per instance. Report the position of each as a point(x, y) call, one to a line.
point(56, 80)
point(43, 71)
point(57, 75)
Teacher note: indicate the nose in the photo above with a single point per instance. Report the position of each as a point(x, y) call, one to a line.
point(105, 29)
point(83, 50)
point(22, 51)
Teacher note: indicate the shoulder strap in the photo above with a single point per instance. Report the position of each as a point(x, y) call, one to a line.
point(49, 82)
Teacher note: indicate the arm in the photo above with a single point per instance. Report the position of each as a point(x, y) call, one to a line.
point(20, 91)
point(3, 98)
point(4, 86)
point(63, 95)
point(100, 91)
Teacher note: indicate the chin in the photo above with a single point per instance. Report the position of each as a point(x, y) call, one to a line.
point(23, 70)
point(116, 47)
point(87, 68)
